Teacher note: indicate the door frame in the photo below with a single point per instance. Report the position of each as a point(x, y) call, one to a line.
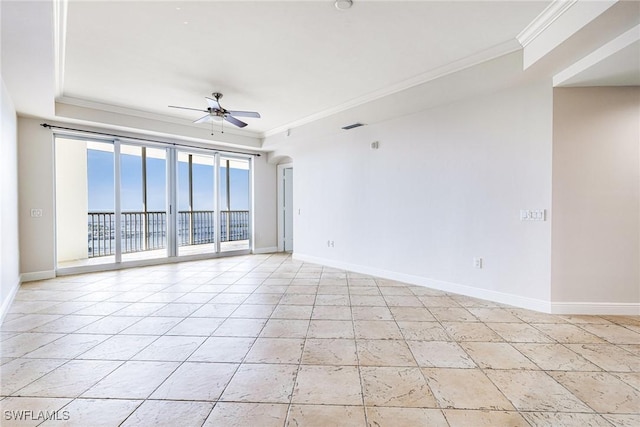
point(280, 202)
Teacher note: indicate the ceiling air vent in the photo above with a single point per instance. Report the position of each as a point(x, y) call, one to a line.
point(354, 125)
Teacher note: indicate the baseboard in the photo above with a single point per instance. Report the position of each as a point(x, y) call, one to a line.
point(4, 308)
point(268, 250)
point(596, 308)
point(37, 275)
point(486, 294)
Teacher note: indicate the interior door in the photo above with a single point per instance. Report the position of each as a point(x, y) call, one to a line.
point(288, 209)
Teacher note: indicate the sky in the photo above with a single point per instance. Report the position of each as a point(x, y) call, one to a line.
point(101, 184)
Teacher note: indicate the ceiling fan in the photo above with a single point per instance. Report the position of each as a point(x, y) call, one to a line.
point(216, 111)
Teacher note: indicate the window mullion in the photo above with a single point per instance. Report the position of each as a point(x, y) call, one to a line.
point(117, 204)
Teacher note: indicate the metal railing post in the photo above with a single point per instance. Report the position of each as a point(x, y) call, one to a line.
point(143, 231)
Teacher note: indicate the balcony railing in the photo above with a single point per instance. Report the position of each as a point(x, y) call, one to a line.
point(145, 231)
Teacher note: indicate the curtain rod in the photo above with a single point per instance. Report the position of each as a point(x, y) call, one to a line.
point(175, 144)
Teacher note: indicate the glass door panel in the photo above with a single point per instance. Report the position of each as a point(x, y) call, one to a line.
point(143, 202)
point(234, 204)
point(85, 194)
point(131, 199)
point(196, 203)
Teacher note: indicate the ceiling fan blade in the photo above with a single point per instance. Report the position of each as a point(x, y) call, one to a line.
point(235, 121)
point(187, 108)
point(203, 119)
point(213, 103)
point(253, 114)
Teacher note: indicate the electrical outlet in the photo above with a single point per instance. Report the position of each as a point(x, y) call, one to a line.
point(36, 213)
point(477, 262)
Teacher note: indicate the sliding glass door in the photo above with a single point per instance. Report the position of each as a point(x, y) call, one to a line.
point(85, 202)
point(196, 203)
point(234, 204)
point(143, 201)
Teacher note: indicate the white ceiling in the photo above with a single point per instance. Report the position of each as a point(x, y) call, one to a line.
point(289, 60)
point(119, 64)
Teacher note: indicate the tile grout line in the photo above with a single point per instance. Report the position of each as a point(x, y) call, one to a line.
point(304, 346)
point(355, 342)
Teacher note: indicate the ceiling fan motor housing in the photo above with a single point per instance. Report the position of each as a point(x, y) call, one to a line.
point(215, 110)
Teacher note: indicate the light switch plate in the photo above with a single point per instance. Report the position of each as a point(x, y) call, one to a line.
point(533, 215)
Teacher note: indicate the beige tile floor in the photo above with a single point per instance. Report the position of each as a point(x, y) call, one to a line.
point(264, 340)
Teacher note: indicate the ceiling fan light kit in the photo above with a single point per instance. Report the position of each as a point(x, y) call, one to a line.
point(215, 112)
point(343, 4)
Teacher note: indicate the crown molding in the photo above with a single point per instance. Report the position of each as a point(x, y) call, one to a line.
point(599, 55)
point(59, 43)
point(110, 108)
point(542, 21)
point(494, 52)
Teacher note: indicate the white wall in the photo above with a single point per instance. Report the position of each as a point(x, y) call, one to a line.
point(9, 252)
point(36, 187)
point(596, 200)
point(265, 208)
point(72, 201)
point(445, 186)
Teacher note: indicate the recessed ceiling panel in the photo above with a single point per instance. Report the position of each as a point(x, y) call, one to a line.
point(288, 60)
